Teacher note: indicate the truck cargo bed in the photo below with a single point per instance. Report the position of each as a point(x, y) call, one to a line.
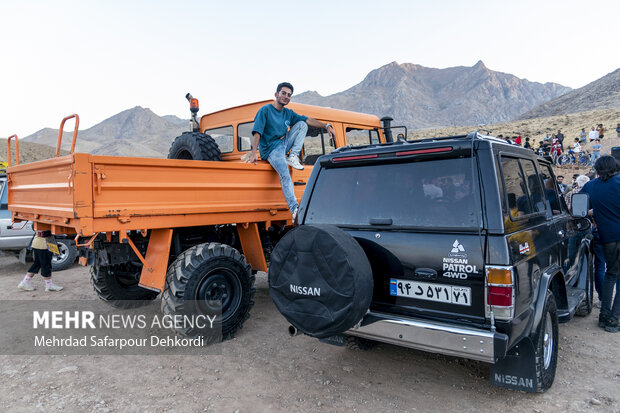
point(85, 194)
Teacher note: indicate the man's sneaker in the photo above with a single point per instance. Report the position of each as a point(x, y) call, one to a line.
point(613, 325)
point(603, 320)
point(25, 286)
point(293, 160)
point(53, 287)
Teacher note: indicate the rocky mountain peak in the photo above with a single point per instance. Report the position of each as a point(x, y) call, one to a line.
point(479, 65)
point(423, 97)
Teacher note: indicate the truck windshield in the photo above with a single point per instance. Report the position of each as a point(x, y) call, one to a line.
point(438, 193)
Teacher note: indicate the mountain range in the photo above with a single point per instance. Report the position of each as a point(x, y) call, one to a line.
point(416, 96)
point(423, 97)
point(603, 93)
point(136, 132)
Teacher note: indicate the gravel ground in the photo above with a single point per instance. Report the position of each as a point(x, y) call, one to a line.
point(263, 369)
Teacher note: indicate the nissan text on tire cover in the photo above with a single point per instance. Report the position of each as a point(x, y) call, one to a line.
point(471, 251)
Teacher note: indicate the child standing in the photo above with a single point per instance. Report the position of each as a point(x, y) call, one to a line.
point(42, 261)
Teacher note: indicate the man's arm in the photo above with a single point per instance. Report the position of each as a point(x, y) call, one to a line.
point(252, 157)
point(318, 124)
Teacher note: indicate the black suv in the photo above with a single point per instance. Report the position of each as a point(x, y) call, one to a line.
point(458, 245)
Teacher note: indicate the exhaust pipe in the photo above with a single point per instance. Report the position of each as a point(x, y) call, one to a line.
point(387, 124)
point(292, 331)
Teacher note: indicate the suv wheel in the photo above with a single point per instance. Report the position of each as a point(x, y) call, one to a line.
point(547, 346)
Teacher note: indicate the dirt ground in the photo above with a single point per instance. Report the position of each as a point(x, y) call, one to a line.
point(263, 369)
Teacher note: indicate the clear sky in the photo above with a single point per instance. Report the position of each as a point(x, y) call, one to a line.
point(98, 58)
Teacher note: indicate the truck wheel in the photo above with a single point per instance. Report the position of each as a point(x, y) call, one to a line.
point(66, 258)
point(196, 146)
point(204, 276)
point(547, 346)
point(119, 288)
point(585, 308)
point(320, 280)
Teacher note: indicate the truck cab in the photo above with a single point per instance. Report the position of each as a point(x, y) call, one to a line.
point(231, 129)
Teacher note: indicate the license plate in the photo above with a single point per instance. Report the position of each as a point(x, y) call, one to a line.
point(440, 293)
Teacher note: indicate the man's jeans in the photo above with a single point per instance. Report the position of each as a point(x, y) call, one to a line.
point(595, 156)
point(612, 279)
point(293, 141)
point(599, 265)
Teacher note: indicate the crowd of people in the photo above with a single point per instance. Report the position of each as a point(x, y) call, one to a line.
point(556, 144)
point(603, 188)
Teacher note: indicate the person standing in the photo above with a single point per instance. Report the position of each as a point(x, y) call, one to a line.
point(560, 137)
point(278, 131)
point(556, 150)
point(604, 193)
point(580, 181)
point(593, 134)
point(596, 151)
point(583, 136)
point(42, 261)
point(618, 131)
point(601, 131)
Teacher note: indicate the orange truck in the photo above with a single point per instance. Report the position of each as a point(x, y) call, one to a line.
point(194, 227)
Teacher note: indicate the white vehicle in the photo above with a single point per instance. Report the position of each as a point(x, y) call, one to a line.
point(16, 240)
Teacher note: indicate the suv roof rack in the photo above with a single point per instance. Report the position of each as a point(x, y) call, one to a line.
point(471, 136)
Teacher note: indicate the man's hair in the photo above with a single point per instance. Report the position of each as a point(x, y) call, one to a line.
point(606, 167)
point(560, 176)
point(284, 84)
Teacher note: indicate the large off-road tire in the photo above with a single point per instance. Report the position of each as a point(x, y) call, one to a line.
point(203, 276)
point(119, 288)
point(320, 280)
point(66, 258)
point(547, 345)
point(585, 308)
point(196, 146)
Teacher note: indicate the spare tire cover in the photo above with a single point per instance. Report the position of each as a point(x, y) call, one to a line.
point(320, 280)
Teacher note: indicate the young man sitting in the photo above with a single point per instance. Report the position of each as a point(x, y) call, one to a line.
point(278, 131)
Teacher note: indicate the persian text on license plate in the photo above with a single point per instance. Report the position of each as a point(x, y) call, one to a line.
point(431, 292)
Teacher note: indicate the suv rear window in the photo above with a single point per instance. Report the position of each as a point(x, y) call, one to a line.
point(433, 194)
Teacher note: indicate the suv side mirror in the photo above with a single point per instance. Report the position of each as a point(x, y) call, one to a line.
point(579, 205)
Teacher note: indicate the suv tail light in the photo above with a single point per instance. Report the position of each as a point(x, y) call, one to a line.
point(499, 297)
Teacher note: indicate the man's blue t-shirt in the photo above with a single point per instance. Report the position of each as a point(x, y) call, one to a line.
point(272, 124)
point(605, 200)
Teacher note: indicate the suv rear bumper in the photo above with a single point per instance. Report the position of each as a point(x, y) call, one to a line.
point(434, 337)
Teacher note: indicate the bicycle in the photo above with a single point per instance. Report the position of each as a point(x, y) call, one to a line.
point(582, 159)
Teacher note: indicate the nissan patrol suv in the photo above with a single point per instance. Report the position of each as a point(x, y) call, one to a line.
point(459, 245)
